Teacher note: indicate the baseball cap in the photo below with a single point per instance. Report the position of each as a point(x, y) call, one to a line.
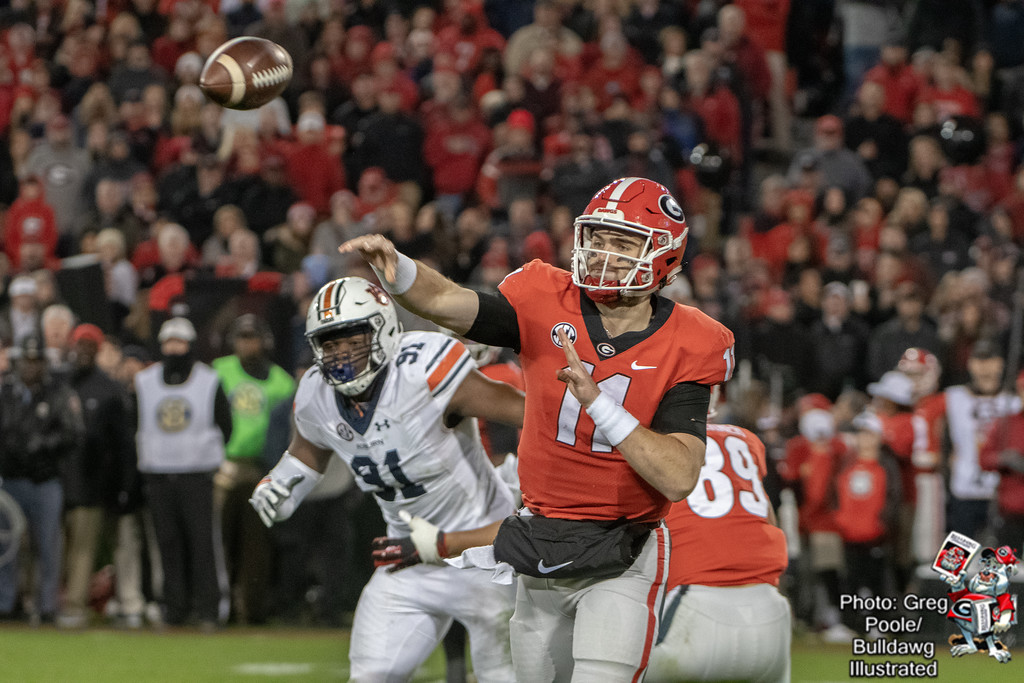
point(817, 425)
point(1004, 554)
point(177, 328)
point(868, 422)
point(521, 119)
point(88, 331)
point(895, 386)
point(838, 289)
point(247, 325)
point(311, 120)
point(23, 285)
point(985, 348)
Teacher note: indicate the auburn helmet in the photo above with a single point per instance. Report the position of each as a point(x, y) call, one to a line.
point(348, 306)
point(635, 206)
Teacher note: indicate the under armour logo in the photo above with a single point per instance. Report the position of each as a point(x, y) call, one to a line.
point(382, 425)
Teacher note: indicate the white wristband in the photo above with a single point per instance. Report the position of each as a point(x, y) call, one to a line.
point(405, 275)
point(613, 420)
point(288, 467)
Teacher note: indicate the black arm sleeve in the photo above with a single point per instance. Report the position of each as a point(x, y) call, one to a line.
point(222, 413)
point(496, 322)
point(684, 409)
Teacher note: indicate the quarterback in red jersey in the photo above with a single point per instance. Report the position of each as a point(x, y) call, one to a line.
point(724, 616)
point(618, 382)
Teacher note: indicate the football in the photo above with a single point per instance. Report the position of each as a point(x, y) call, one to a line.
point(246, 73)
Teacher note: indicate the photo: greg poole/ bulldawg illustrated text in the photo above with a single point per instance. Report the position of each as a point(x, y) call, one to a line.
point(979, 609)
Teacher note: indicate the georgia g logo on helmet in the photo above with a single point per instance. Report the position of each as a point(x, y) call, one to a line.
point(636, 207)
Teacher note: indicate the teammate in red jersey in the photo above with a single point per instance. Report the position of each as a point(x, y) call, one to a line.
point(618, 384)
point(724, 616)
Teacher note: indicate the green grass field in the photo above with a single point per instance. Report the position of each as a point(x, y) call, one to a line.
point(46, 655)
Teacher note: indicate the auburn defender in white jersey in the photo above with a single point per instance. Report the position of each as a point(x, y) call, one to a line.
point(398, 409)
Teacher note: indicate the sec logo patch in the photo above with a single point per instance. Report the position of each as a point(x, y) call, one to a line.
point(570, 332)
point(173, 414)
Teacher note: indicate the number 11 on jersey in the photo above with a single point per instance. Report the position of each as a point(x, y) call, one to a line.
point(615, 386)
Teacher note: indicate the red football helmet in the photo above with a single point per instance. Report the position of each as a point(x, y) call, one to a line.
point(635, 206)
point(921, 366)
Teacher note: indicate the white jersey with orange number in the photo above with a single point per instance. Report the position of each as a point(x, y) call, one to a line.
point(400, 449)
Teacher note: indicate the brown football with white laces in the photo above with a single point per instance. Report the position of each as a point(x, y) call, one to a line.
point(246, 73)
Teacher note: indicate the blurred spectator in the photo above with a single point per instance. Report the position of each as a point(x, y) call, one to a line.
point(579, 175)
point(312, 171)
point(867, 27)
point(112, 211)
point(716, 105)
point(135, 73)
point(779, 343)
point(946, 92)
point(909, 328)
point(472, 238)
point(970, 412)
point(63, 169)
point(944, 245)
point(392, 140)
point(30, 231)
point(182, 428)
point(289, 242)
point(511, 171)
point(57, 322)
point(876, 136)
point(840, 341)
point(265, 199)
point(898, 79)
point(644, 160)
point(766, 24)
point(226, 221)
point(614, 74)
point(467, 36)
point(1002, 453)
point(92, 476)
point(168, 253)
point(120, 279)
point(810, 465)
point(339, 227)
point(546, 30)
point(254, 387)
point(40, 424)
point(868, 489)
point(20, 317)
point(455, 148)
point(931, 23)
point(195, 203)
point(836, 165)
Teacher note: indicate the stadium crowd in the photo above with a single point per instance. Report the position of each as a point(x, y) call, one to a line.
point(850, 172)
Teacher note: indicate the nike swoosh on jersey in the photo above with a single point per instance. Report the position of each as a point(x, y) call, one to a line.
point(544, 569)
point(643, 367)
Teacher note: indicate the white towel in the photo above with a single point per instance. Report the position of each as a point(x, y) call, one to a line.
point(482, 557)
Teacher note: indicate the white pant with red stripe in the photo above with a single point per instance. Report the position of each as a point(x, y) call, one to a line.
point(590, 630)
point(724, 634)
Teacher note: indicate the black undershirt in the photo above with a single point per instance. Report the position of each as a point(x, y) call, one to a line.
point(682, 410)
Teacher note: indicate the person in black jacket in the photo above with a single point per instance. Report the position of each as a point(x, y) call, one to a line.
point(93, 476)
point(40, 423)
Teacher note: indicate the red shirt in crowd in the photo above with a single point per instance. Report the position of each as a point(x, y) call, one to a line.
point(766, 22)
point(30, 221)
point(455, 151)
point(315, 175)
point(901, 84)
point(1006, 433)
point(720, 112)
point(814, 467)
point(862, 487)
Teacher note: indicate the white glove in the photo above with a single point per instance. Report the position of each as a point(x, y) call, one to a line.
point(280, 492)
point(1003, 625)
point(428, 539)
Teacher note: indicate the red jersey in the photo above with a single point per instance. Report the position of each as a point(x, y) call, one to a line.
point(928, 422)
point(565, 469)
point(898, 435)
point(815, 470)
point(730, 504)
point(863, 492)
